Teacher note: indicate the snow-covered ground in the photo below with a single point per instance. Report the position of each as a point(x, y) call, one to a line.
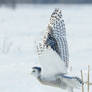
point(20, 28)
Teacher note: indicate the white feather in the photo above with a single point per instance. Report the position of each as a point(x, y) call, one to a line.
point(51, 62)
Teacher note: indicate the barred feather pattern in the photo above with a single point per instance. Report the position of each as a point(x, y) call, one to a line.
point(56, 36)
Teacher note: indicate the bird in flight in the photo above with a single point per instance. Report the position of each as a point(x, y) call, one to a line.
point(54, 56)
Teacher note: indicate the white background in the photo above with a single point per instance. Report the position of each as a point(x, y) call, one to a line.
point(20, 28)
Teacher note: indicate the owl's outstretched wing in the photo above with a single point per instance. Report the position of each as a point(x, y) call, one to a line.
point(53, 51)
point(56, 36)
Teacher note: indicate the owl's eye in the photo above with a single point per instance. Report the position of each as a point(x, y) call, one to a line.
point(33, 70)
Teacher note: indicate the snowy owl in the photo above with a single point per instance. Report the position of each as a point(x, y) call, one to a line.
point(54, 57)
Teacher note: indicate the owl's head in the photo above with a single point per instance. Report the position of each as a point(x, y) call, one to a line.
point(36, 71)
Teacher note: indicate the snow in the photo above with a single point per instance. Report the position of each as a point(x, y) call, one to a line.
point(20, 28)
